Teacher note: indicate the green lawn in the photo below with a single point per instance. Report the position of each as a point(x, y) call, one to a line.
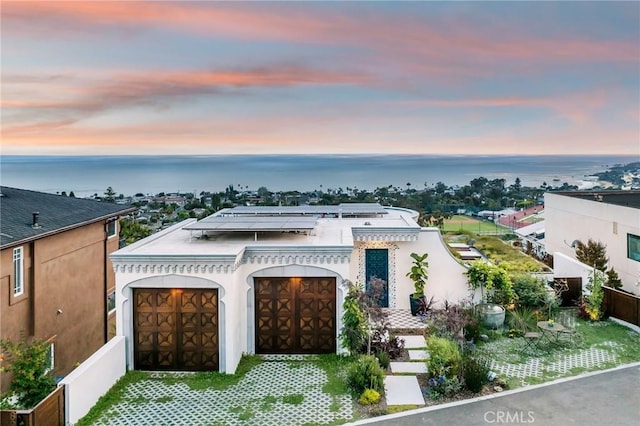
point(459, 223)
point(597, 346)
point(509, 257)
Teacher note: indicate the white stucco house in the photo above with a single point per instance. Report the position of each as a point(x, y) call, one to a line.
point(611, 217)
point(532, 238)
point(199, 294)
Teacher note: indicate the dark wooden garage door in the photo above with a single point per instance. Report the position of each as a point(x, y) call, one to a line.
point(295, 315)
point(175, 329)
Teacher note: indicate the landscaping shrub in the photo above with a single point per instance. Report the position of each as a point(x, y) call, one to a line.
point(593, 301)
point(354, 330)
point(522, 319)
point(443, 387)
point(444, 357)
point(531, 292)
point(384, 359)
point(493, 281)
point(365, 373)
point(474, 372)
point(515, 332)
point(455, 322)
point(369, 396)
point(381, 343)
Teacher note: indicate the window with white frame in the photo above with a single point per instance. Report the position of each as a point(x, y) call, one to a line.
point(50, 357)
point(18, 271)
point(111, 302)
point(112, 228)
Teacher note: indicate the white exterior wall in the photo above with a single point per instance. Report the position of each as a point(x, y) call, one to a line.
point(93, 378)
point(568, 219)
point(567, 267)
point(446, 275)
point(236, 308)
point(171, 259)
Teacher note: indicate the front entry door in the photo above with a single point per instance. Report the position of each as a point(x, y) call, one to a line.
point(377, 265)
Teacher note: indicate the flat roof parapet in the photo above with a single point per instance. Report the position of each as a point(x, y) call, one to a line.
point(343, 209)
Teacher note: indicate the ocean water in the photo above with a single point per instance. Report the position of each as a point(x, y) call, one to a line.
point(86, 175)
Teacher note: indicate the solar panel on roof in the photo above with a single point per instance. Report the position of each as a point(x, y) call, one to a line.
point(243, 223)
point(344, 209)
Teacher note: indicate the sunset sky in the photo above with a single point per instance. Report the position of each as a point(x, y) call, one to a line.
point(324, 77)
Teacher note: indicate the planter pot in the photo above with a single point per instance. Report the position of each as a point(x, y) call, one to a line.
point(493, 315)
point(414, 303)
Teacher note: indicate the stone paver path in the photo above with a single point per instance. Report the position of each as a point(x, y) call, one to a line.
point(272, 393)
point(418, 354)
point(414, 342)
point(408, 367)
point(403, 390)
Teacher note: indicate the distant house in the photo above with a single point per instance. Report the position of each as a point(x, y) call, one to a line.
point(267, 280)
point(532, 239)
point(610, 217)
point(56, 279)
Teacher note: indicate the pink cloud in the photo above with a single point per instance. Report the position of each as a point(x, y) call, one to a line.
point(407, 38)
point(574, 107)
point(67, 102)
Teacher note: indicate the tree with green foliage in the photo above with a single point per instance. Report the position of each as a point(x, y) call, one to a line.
point(132, 231)
point(28, 361)
point(613, 280)
point(593, 300)
point(109, 195)
point(593, 253)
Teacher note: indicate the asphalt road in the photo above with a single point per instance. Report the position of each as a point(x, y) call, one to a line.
point(606, 398)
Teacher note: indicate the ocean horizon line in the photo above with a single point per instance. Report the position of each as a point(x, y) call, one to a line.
point(373, 154)
point(130, 174)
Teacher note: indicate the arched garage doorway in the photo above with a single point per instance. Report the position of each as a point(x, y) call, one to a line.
point(295, 315)
point(175, 325)
point(294, 310)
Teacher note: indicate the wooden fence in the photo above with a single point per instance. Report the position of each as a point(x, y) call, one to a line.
point(621, 305)
point(49, 412)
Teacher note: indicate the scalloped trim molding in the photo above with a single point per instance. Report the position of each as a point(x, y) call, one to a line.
point(361, 247)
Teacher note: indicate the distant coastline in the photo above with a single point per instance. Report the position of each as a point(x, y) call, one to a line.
point(130, 174)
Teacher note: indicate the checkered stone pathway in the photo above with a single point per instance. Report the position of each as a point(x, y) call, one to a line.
point(402, 318)
point(535, 367)
point(259, 398)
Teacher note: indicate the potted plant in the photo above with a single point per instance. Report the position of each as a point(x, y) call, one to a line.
point(418, 274)
point(496, 281)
